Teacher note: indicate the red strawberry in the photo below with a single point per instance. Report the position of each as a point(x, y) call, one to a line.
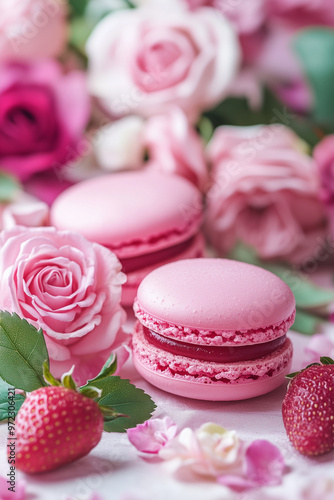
point(55, 426)
point(308, 409)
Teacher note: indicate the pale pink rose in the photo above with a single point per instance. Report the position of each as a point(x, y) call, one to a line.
point(120, 145)
point(318, 346)
point(70, 288)
point(209, 451)
point(152, 435)
point(32, 28)
point(24, 210)
point(44, 113)
point(324, 156)
point(264, 193)
point(174, 147)
point(19, 492)
point(169, 56)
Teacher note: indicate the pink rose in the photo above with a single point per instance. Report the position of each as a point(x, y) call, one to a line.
point(245, 15)
point(169, 140)
point(324, 157)
point(70, 288)
point(174, 147)
point(279, 66)
point(43, 114)
point(169, 56)
point(32, 28)
point(302, 13)
point(264, 193)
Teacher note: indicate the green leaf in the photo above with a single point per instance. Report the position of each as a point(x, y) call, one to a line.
point(109, 368)
point(78, 7)
point(22, 353)
point(4, 400)
point(306, 323)
point(9, 186)
point(236, 111)
point(315, 49)
point(79, 33)
point(123, 397)
point(326, 360)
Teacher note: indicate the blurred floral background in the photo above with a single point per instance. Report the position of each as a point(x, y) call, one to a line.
point(234, 95)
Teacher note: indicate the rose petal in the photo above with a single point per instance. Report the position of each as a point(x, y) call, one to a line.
point(152, 435)
point(264, 463)
point(19, 492)
point(237, 483)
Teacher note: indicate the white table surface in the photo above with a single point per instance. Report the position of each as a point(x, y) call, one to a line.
point(116, 471)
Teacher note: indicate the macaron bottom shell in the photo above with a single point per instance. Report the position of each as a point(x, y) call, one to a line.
point(210, 381)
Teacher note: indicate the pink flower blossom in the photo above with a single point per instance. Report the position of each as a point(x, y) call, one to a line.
point(19, 492)
point(209, 451)
point(319, 345)
point(324, 158)
point(32, 29)
point(69, 287)
point(264, 193)
point(169, 57)
point(174, 147)
point(43, 117)
point(152, 435)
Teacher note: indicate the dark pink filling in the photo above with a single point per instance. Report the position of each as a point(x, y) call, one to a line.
point(150, 259)
point(216, 354)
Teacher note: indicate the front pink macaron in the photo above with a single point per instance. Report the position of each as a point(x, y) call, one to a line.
point(148, 219)
point(213, 329)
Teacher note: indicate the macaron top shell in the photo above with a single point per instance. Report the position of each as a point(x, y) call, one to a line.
point(211, 295)
point(131, 212)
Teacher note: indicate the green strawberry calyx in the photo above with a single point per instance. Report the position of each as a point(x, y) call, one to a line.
point(87, 390)
point(324, 360)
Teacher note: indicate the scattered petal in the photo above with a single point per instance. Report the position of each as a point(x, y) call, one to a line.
point(264, 463)
point(19, 492)
point(152, 435)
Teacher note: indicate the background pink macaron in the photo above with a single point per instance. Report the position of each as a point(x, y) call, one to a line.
point(147, 219)
point(213, 329)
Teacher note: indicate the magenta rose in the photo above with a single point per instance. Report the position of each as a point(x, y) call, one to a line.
point(264, 193)
point(70, 288)
point(169, 55)
point(32, 28)
point(42, 118)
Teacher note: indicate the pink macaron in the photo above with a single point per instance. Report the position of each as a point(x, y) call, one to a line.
point(213, 329)
point(148, 219)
